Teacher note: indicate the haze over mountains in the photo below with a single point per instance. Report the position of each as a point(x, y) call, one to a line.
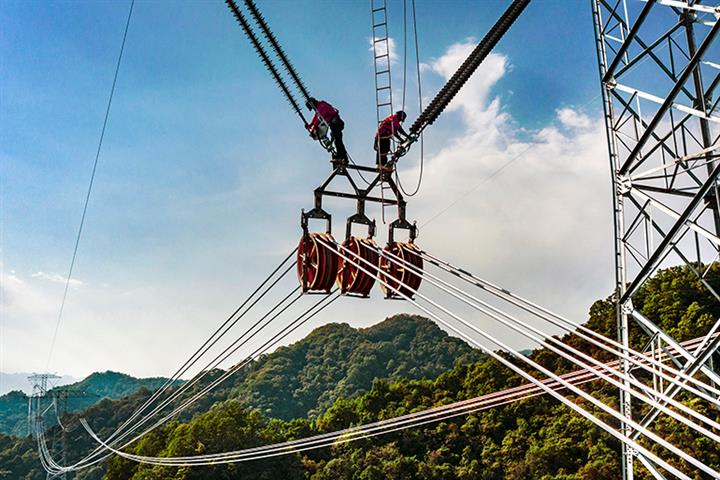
point(19, 381)
point(90, 390)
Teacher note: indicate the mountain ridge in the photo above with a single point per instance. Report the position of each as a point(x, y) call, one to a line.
point(336, 360)
point(18, 381)
point(95, 387)
point(531, 438)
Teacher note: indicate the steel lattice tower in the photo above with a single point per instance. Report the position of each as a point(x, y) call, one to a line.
point(659, 63)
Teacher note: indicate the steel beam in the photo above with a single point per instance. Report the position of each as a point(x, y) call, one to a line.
point(681, 222)
point(680, 170)
point(684, 76)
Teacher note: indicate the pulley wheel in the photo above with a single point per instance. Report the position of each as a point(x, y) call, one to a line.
point(317, 264)
point(397, 273)
point(352, 279)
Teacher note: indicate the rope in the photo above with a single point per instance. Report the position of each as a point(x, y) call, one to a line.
point(205, 348)
point(404, 54)
point(574, 327)
point(89, 190)
point(259, 351)
point(233, 456)
point(420, 102)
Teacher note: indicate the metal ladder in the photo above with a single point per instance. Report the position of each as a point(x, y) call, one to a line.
point(381, 52)
point(383, 79)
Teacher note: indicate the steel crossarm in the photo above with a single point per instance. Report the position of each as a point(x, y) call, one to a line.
point(696, 6)
point(634, 159)
point(696, 362)
point(648, 49)
point(710, 236)
point(663, 161)
point(659, 100)
point(681, 223)
point(674, 163)
point(632, 34)
point(693, 361)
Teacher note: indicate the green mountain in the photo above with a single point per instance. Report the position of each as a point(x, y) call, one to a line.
point(295, 381)
point(532, 438)
point(113, 385)
point(536, 438)
point(337, 361)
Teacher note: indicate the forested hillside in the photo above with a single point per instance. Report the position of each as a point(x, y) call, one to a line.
point(95, 387)
point(305, 378)
point(338, 361)
point(529, 439)
point(536, 438)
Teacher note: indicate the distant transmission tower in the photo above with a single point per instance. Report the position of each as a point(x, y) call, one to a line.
point(660, 71)
point(36, 409)
point(60, 400)
point(40, 382)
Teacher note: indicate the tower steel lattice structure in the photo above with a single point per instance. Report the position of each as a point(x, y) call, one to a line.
point(659, 64)
point(42, 382)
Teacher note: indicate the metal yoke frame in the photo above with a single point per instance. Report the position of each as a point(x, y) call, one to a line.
point(383, 179)
point(383, 99)
point(662, 121)
point(361, 195)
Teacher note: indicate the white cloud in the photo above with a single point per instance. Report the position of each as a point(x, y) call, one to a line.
point(381, 50)
point(572, 119)
point(56, 278)
point(541, 226)
point(22, 300)
point(472, 100)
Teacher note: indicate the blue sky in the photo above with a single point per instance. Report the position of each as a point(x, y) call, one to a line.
point(204, 167)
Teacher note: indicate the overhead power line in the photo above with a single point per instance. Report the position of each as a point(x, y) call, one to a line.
point(90, 186)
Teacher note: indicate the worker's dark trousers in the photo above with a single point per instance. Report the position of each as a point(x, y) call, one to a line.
point(382, 146)
point(336, 128)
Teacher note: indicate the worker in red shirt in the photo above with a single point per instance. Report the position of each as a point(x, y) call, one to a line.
point(324, 112)
point(387, 129)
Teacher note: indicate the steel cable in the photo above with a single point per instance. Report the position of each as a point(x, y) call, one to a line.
point(188, 402)
point(575, 327)
point(499, 358)
point(90, 186)
point(536, 335)
point(368, 430)
point(547, 373)
point(227, 325)
point(283, 333)
point(220, 332)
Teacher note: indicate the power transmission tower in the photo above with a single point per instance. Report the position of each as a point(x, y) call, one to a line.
point(659, 83)
point(60, 399)
point(36, 414)
point(42, 389)
point(40, 382)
